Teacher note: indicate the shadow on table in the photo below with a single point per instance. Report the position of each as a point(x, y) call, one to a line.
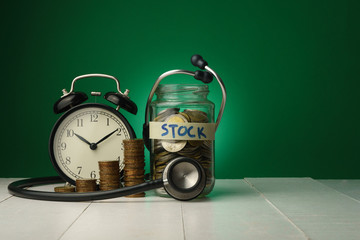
point(226, 192)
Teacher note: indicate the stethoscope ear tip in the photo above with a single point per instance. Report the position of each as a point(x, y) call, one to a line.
point(205, 77)
point(198, 61)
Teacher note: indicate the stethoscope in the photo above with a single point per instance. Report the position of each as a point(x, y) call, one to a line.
point(183, 178)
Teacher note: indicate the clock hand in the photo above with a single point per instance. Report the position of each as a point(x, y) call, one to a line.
point(93, 146)
point(106, 136)
point(83, 139)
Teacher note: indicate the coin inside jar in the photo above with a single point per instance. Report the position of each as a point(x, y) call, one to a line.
point(182, 125)
point(174, 145)
point(196, 115)
point(166, 113)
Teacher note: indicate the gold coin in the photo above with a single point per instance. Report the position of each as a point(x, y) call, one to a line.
point(134, 157)
point(185, 116)
point(136, 140)
point(135, 167)
point(160, 155)
point(136, 195)
point(86, 185)
point(132, 172)
point(158, 175)
point(107, 163)
point(196, 115)
point(131, 143)
point(133, 183)
point(65, 189)
point(137, 162)
point(109, 174)
point(160, 168)
point(85, 189)
point(109, 184)
point(86, 181)
point(130, 179)
point(110, 169)
point(195, 143)
point(110, 179)
point(176, 118)
point(134, 163)
point(134, 148)
point(131, 152)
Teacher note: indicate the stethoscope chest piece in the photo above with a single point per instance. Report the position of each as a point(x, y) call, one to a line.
point(184, 178)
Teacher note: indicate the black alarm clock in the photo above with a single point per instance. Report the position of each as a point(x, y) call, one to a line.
point(89, 132)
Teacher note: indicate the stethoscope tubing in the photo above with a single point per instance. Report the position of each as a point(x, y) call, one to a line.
point(186, 72)
point(18, 188)
point(223, 100)
point(156, 84)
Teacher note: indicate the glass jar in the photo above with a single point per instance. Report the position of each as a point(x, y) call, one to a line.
point(183, 119)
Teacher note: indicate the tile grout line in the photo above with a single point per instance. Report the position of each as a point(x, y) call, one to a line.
point(75, 220)
point(182, 220)
point(354, 199)
point(6, 198)
point(277, 209)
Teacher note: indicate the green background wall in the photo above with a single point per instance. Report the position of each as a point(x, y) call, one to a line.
point(291, 69)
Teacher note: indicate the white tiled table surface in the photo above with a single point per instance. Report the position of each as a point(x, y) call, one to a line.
point(251, 208)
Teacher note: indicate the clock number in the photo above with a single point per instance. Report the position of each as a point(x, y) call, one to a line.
point(69, 133)
point(93, 174)
point(94, 118)
point(80, 122)
point(68, 161)
point(79, 168)
point(119, 132)
point(63, 146)
point(107, 122)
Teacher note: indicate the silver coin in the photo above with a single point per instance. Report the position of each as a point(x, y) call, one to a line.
point(174, 145)
point(165, 113)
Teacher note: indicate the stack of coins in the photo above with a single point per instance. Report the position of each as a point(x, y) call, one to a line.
point(109, 175)
point(64, 189)
point(134, 164)
point(166, 150)
point(86, 185)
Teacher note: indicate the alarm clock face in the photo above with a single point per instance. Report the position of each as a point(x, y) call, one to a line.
point(85, 135)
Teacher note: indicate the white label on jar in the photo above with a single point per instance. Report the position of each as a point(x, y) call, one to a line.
point(182, 131)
